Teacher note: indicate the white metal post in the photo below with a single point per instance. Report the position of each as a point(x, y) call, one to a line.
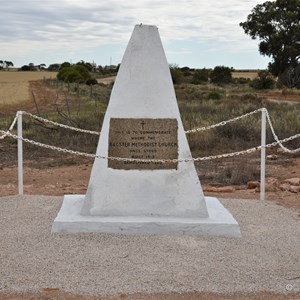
point(263, 154)
point(20, 154)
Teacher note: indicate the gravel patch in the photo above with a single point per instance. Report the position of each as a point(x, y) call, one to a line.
point(265, 258)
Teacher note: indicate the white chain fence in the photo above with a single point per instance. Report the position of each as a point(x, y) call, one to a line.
point(224, 122)
point(276, 137)
point(6, 133)
point(251, 150)
point(90, 155)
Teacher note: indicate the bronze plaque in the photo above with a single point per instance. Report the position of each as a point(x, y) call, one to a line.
point(146, 139)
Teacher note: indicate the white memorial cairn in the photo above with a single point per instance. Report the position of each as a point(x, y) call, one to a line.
point(142, 122)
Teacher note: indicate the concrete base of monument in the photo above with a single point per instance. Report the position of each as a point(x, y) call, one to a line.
point(219, 223)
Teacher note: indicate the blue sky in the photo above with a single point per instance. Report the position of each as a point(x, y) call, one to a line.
point(194, 33)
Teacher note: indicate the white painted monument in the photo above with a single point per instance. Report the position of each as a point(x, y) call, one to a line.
point(142, 194)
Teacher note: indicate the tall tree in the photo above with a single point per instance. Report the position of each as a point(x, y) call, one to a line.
point(9, 64)
point(277, 25)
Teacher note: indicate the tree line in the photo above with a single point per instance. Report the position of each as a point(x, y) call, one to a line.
point(5, 64)
point(274, 23)
point(220, 75)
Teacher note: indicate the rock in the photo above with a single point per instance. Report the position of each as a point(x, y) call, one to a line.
point(252, 185)
point(8, 186)
point(226, 189)
point(66, 185)
point(51, 186)
point(271, 185)
point(294, 189)
point(271, 188)
point(293, 181)
point(272, 157)
point(223, 189)
point(285, 187)
point(272, 181)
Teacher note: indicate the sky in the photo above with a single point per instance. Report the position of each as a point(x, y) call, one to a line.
point(194, 33)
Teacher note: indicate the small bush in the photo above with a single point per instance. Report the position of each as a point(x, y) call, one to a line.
point(241, 80)
point(200, 76)
point(177, 75)
point(214, 96)
point(91, 81)
point(264, 81)
point(241, 173)
point(249, 96)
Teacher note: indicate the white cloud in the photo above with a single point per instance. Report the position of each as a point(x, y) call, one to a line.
point(31, 26)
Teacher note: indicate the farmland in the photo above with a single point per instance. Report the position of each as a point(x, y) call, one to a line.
point(248, 75)
point(14, 86)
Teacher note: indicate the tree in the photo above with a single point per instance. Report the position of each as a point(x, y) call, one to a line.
point(25, 68)
point(5, 64)
point(42, 66)
point(221, 75)
point(77, 73)
point(65, 64)
point(291, 77)
point(54, 67)
point(88, 65)
point(276, 24)
point(32, 67)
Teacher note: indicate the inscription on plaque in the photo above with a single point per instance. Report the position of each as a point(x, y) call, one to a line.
point(143, 139)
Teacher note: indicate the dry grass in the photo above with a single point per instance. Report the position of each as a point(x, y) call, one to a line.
point(14, 86)
point(248, 75)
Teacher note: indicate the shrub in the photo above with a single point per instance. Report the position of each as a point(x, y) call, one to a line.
point(200, 76)
point(177, 75)
point(249, 96)
point(241, 173)
point(221, 75)
point(264, 81)
point(214, 96)
point(77, 73)
point(91, 81)
point(241, 80)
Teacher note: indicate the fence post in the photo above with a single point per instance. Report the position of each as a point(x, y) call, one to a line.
point(263, 154)
point(20, 154)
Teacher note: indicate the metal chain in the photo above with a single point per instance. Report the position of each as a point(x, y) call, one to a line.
point(276, 137)
point(59, 125)
point(59, 149)
point(187, 132)
point(223, 122)
point(97, 133)
point(278, 142)
point(10, 128)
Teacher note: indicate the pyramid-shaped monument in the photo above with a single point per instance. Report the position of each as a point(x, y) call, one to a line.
point(144, 185)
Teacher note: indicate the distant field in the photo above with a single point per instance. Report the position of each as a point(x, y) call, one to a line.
point(250, 75)
point(14, 86)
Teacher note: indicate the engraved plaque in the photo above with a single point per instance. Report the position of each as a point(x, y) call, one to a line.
point(145, 139)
